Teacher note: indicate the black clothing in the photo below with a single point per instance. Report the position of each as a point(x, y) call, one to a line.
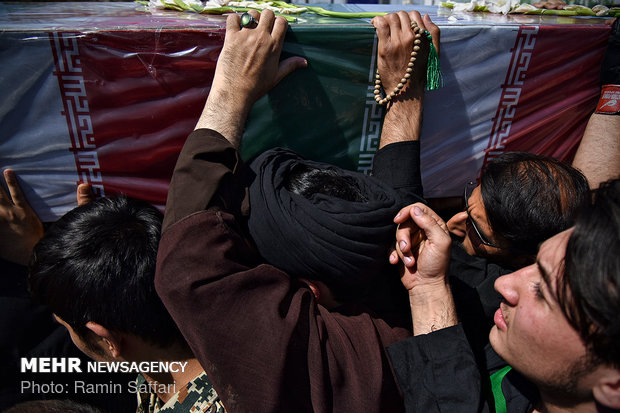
point(335, 225)
point(438, 372)
point(398, 165)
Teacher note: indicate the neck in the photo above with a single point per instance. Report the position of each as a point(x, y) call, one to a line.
point(165, 384)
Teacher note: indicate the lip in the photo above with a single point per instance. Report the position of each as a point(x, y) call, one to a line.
point(499, 320)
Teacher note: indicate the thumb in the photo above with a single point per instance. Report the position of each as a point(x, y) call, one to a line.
point(287, 66)
point(85, 194)
point(433, 226)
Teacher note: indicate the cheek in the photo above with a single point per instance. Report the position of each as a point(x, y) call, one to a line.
point(544, 340)
point(472, 245)
point(466, 244)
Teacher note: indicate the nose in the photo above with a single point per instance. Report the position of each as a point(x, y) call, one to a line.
point(508, 287)
point(458, 224)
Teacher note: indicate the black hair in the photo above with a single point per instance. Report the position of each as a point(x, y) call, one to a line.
point(529, 198)
point(306, 181)
point(97, 263)
point(589, 291)
point(52, 406)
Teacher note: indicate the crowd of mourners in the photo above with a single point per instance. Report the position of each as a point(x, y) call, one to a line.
point(283, 284)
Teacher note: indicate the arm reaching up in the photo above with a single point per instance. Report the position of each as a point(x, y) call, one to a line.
point(598, 154)
point(402, 59)
point(403, 118)
point(423, 245)
point(247, 68)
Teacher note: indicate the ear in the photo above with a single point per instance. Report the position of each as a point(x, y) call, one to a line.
point(458, 224)
point(111, 340)
point(607, 389)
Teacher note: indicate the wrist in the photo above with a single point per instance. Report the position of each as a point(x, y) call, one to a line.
point(402, 121)
point(430, 288)
point(432, 307)
point(609, 102)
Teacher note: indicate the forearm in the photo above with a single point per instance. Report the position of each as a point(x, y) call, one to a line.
point(226, 113)
point(432, 307)
point(598, 155)
point(403, 120)
point(402, 60)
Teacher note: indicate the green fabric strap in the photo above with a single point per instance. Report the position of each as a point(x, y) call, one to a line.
point(496, 387)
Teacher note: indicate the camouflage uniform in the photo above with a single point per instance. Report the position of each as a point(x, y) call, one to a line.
point(198, 396)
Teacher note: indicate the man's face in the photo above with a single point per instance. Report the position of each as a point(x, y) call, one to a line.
point(531, 332)
point(464, 225)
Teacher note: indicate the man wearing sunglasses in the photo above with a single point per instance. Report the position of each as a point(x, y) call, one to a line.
point(522, 200)
point(555, 340)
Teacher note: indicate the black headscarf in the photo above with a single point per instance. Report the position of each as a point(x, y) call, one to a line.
point(323, 238)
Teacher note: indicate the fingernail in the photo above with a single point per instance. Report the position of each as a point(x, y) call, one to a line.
point(417, 211)
point(397, 215)
point(402, 244)
point(407, 260)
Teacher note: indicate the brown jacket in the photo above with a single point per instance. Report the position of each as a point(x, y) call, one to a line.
point(260, 335)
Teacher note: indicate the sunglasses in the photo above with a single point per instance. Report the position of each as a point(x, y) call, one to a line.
point(469, 187)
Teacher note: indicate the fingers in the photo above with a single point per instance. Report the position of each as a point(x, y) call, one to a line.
point(254, 13)
point(4, 198)
point(85, 194)
point(404, 214)
point(14, 189)
point(408, 238)
point(233, 24)
point(381, 25)
point(425, 23)
point(278, 31)
point(413, 210)
point(265, 19)
point(433, 30)
point(433, 226)
point(399, 24)
point(267, 23)
point(392, 26)
point(287, 66)
point(403, 21)
point(415, 16)
point(416, 223)
point(394, 258)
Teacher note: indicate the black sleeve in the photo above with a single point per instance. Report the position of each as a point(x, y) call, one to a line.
point(437, 372)
point(398, 165)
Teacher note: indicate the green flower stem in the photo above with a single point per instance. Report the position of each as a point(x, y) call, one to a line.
point(362, 15)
